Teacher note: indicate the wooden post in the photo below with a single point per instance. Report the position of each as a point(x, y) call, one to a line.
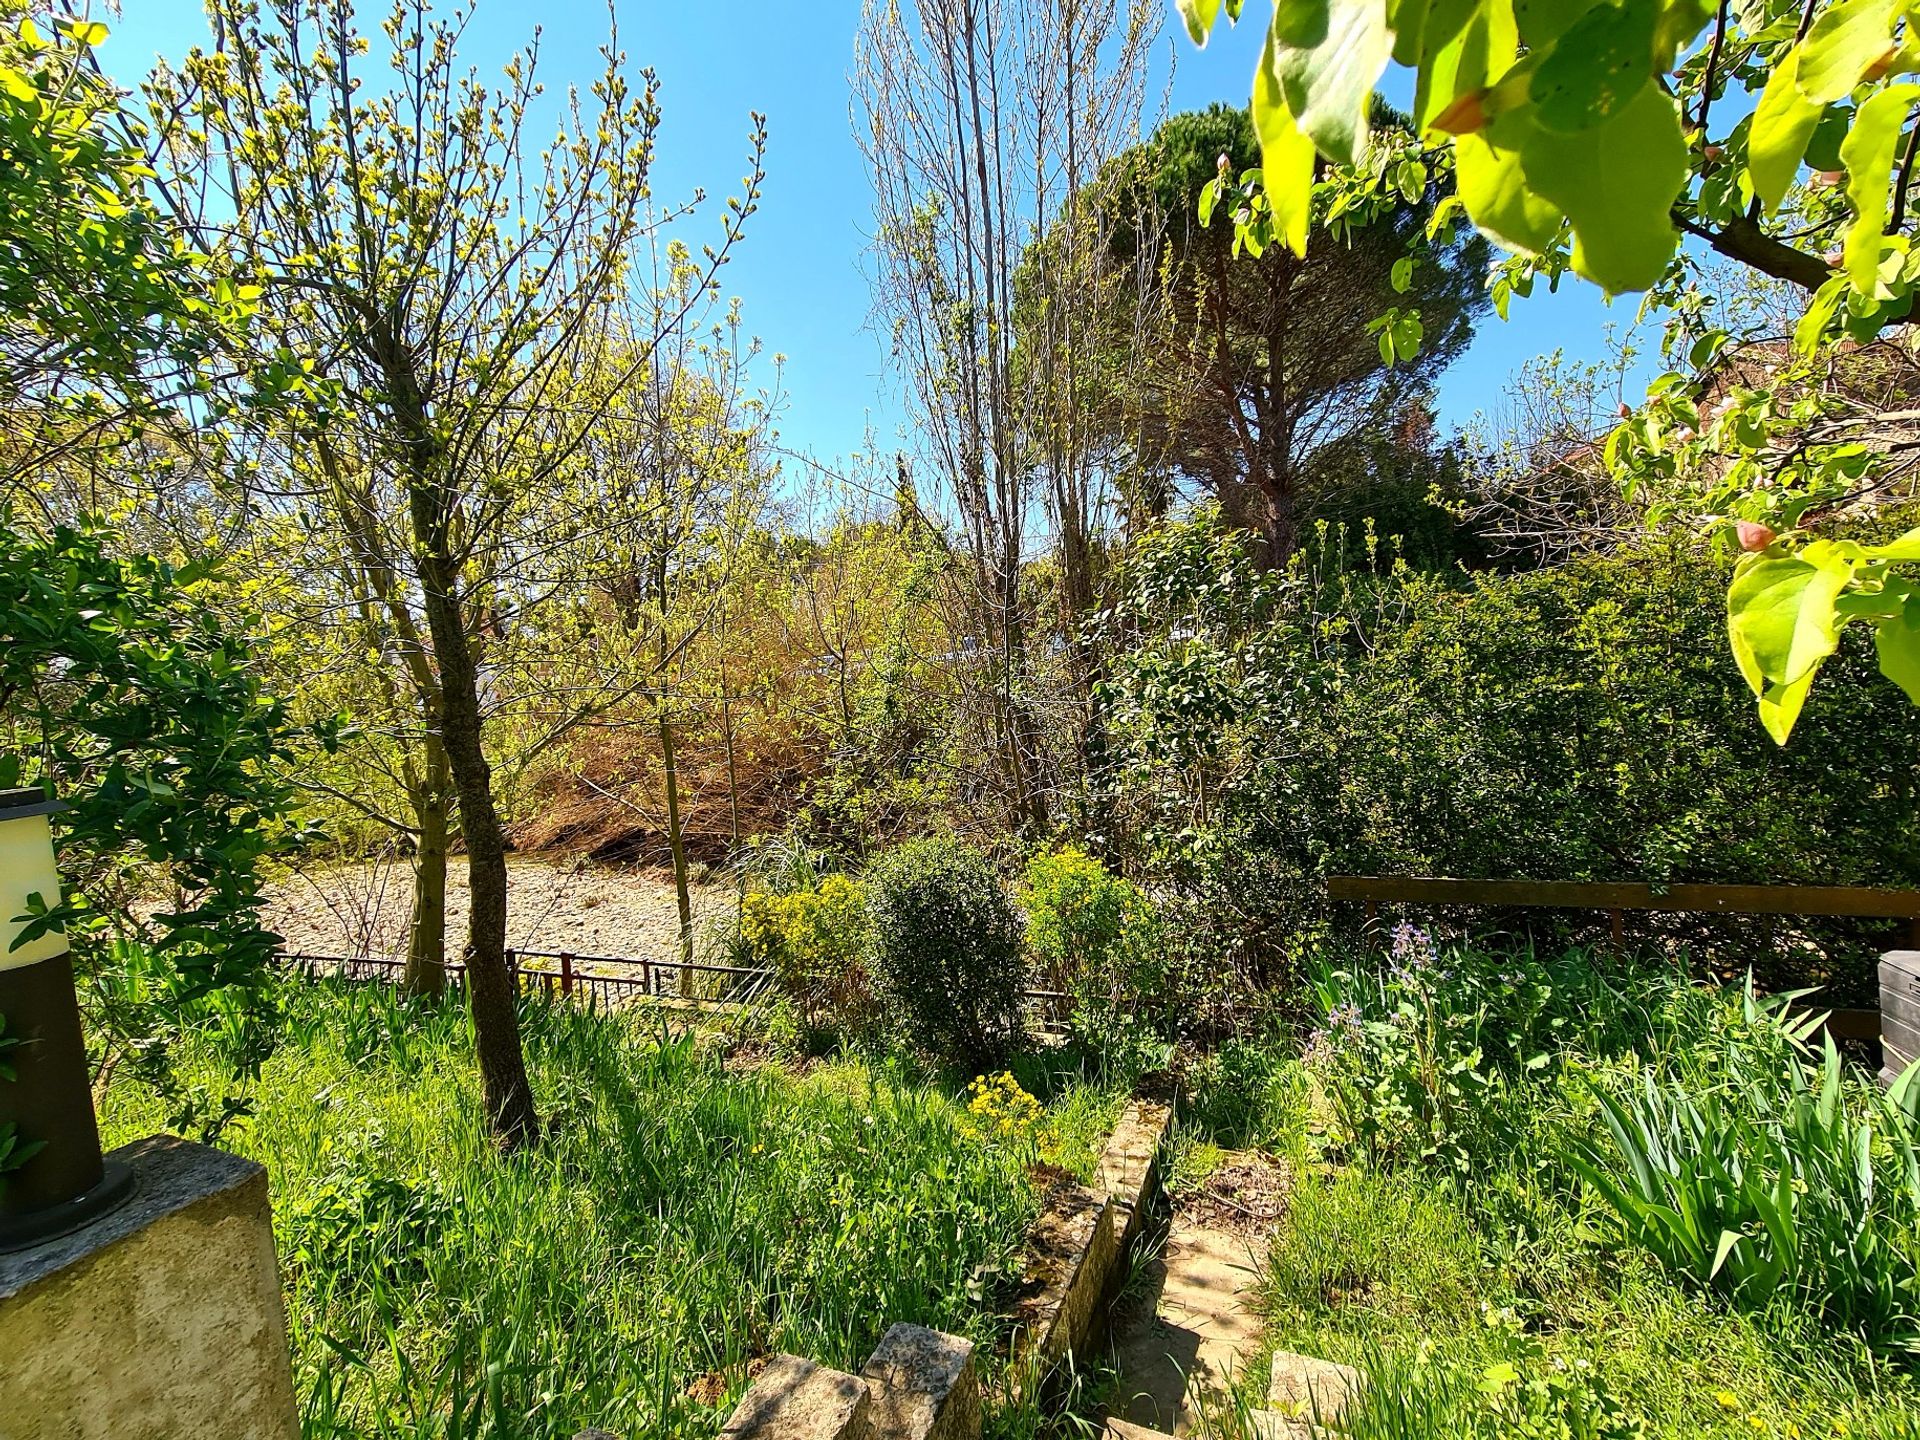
point(1618, 919)
point(566, 973)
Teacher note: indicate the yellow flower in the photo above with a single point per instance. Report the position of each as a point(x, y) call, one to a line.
point(1726, 1400)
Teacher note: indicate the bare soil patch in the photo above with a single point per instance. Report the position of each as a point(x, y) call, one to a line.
point(574, 905)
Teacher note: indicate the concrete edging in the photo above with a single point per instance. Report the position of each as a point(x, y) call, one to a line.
point(922, 1384)
point(1082, 1241)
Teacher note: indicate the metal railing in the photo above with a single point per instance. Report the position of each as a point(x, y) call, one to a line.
point(612, 979)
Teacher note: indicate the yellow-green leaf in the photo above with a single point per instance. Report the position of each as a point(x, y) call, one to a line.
point(1199, 15)
point(1844, 41)
point(1616, 182)
point(1780, 616)
point(1494, 190)
point(1780, 706)
point(1896, 642)
point(1868, 154)
point(1327, 56)
point(1463, 59)
point(1286, 157)
point(1907, 547)
point(1596, 68)
point(1783, 123)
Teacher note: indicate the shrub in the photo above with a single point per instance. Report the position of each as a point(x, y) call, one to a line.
point(815, 941)
point(1787, 1183)
point(1095, 937)
point(946, 952)
point(1580, 722)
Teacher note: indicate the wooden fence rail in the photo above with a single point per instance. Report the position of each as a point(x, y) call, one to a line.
point(1618, 897)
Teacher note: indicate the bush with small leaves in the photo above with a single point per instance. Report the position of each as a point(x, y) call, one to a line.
point(947, 952)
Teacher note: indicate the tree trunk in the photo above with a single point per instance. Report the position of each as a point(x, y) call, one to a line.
point(490, 994)
point(426, 969)
point(669, 760)
point(426, 972)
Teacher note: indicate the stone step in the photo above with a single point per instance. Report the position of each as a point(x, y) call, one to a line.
point(1127, 1430)
point(795, 1399)
point(924, 1386)
point(1306, 1389)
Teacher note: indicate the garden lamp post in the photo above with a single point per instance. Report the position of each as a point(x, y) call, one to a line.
point(46, 1092)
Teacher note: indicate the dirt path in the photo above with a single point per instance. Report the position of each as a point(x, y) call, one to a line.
point(589, 909)
point(1194, 1328)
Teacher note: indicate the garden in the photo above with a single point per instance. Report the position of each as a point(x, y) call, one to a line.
point(1014, 785)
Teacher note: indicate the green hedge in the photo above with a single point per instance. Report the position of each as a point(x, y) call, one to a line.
point(1584, 722)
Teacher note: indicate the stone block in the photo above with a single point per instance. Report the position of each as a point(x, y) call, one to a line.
point(1303, 1388)
point(161, 1320)
point(924, 1386)
point(1074, 1248)
point(1130, 1164)
point(1118, 1429)
point(795, 1399)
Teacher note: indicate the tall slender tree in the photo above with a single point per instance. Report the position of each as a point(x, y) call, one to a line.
point(448, 280)
point(984, 122)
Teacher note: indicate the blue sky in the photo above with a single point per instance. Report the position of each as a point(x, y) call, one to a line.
point(800, 274)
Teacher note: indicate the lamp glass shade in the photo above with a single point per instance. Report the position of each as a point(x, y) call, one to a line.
point(27, 868)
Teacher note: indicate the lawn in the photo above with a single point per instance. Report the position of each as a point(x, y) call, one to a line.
point(684, 1217)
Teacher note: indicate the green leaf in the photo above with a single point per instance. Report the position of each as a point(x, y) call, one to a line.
point(1602, 62)
point(1780, 616)
point(1327, 56)
point(1286, 156)
point(1812, 326)
point(1541, 22)
point(1843, 42)
point(1616, 182)
point(1728, 1239)
point(1783, 123)
point(1401, 275)
point(1896, 641)
point(1199, 15)
point(1462, 57)
point(1494, 190)
point(1868, 152)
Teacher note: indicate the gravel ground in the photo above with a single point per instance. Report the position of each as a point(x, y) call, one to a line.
point(361, 909)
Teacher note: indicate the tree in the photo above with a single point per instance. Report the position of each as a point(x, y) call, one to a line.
point(1584, 137)
point(1270, 366)
point(116, 342)
point(450, 286)
point(123, 687)
point(982, 121)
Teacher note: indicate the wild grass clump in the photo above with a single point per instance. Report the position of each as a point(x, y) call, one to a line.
point(1575, 1196)
point(682, 1219)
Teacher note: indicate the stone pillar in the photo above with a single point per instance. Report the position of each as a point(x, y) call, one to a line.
point(160, 1321)
point(1899, 1012)
point(924, 1385)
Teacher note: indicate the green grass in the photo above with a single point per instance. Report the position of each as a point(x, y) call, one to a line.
point(682, 1219)
point(1500, 1297)
point(1408, 1281)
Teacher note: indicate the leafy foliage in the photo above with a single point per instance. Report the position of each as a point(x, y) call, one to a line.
point(816, 941)
point(686, 1217)
point(127, 693)
point(1565, 723)
point(947, 954)
point(1793, 1183)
